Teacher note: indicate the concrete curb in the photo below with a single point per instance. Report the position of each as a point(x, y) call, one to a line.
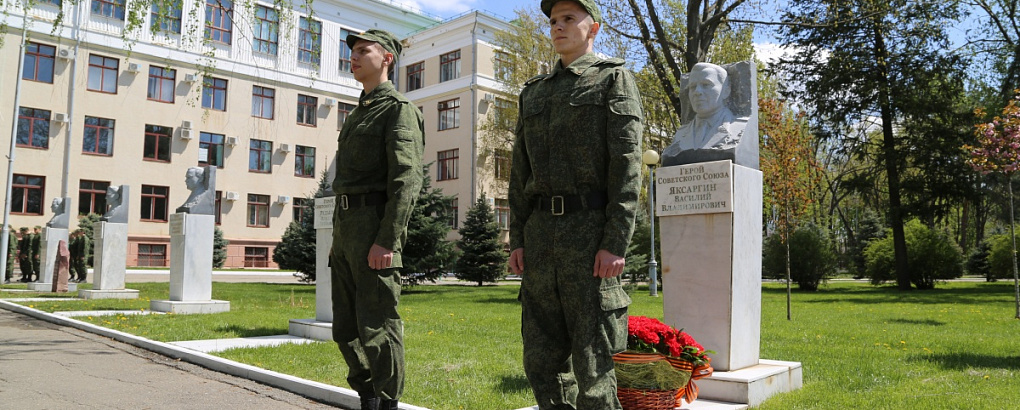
point(314, 390)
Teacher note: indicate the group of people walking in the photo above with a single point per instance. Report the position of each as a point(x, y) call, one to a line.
point(574, 186)
point(25, 248)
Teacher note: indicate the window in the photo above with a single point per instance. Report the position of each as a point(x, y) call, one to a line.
point(262, 99)
point(449, 114)
point(151, 255)
point(256, 257)
point(161, 84)
point(266, 30)
point(258, 211)
point(210, 149)
point(166, 16)
point(157, 143)
point(454, 213)
point(501, 66)
point(415, 72)
point(309, 41)
point(103, 74)
point(502, 114)
point(92, 197)
point(503, 213)
point(39, 62)
point(304, 161)
point(218, 14)
point(260, 156)
point(109, 8)
point(306, 106)
point(301, 205)
point(447, 164)
point(214, 93)
point(155, 201)
point(344, 110)
point(449, 66)
point(345, 52)
point(27, 194)
point(33, 128)
point(98, 136)
point(58, 3)
point(501, 163)
point(218, 211)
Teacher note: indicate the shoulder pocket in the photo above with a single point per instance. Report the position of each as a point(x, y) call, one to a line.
point(625, 106)
point(533, 106)
point(588, 96)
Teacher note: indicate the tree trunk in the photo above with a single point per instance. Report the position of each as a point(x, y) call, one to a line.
point(1012, 237)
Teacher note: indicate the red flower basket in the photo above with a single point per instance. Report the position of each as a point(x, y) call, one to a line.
point(638, 399)
point(650, 340)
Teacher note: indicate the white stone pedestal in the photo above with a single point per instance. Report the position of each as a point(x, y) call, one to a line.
point(191, 252)
point(711, 229)
point(110, 241)
point(48, 243)
point(320, 328)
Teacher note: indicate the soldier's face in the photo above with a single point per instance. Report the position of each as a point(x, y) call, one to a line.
point(369, 60)
point(706, 91)
point(571, 28)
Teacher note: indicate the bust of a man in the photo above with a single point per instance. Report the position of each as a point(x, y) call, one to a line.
point(61, 216)
point(117, 197)
point(202, 183)
point(715, 132)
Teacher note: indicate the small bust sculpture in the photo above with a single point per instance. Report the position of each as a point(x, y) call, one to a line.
point(714, 132)
point(61, 216)
point(202, 183)
point(118, 198)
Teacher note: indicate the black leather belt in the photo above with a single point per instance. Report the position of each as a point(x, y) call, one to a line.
point(351, 201)
point(565, 204)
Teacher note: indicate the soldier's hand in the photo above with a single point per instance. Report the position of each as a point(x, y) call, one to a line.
point(608, 265)
point(517, 261)
point(379, 257)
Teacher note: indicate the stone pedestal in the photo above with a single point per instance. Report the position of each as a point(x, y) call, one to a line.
point(48, 241)
point(320, 328)
point(110, 241)
point(191, 252)
point(711, 229)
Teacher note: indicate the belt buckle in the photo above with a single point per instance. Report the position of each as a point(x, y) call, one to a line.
point(343, 202)
point(554, 200)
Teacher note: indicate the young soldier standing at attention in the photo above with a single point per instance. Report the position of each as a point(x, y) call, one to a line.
point(573, 195)
point(378, 177)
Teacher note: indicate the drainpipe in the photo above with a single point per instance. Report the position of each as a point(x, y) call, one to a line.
point(474, 111)
point(5, 233)
point(76, 32)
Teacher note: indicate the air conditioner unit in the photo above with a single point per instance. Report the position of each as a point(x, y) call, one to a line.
point(65, 54)
point(282, 199)
point(133, 68)
point(285, 148)
point(59, 117)
point(231, 141)
point(190, 78)
point(331, 102)
point(489, 98)
point(232, 196)
point(186, 124)
point(186, 133)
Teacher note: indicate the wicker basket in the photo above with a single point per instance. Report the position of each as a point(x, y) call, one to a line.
point(636, 399)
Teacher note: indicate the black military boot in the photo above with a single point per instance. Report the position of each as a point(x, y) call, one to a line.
point(369, 403)
point(388, 404)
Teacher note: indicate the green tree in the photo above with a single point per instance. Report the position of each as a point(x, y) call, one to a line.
point(805, 256)
point(933, 257)
point(219, 256)
point(85, 224)
point(427, 254)
point(296, 250)
point(482, 257)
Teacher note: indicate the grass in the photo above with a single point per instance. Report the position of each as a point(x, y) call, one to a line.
point(862, 346)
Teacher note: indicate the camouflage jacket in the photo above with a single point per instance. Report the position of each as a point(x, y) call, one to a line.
point(380, 149)
point(579, 131)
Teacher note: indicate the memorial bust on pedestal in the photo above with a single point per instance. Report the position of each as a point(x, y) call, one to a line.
point(118, 198)
point(61, 216)
point(202, 183)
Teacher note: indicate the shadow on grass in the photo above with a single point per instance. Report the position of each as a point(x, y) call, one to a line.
point(242, 331)
point(890, 294)
point(962, 361)
point(513, 384)
point(927, 322)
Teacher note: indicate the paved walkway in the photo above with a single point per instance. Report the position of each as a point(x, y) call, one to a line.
point(46, 366)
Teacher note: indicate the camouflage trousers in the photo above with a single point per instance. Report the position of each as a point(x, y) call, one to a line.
point(572, 322)
point(26, 268)
point(79, 270)
point(366, 325)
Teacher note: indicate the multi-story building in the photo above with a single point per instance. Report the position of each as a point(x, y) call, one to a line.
point(258, 93)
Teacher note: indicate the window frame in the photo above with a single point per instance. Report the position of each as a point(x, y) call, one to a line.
point(343, 111)
point(344, 59)
point(259, 96)
point(302, 159)
point(447, 167)
point(34, 118)
point(98, 131)
point(501, 211)
point(210, 89)
point(168, 21)
point(113, 9)
point(94, 195)
point(266, 19)
point(306, 107)
point(449, 111)
point(258, 259)
point(309, 41)
point(154, 198)
point(105, 70)
point(210, 145)
point(27, 189)
point(162, 136)
point(159, 80)
point(217, 29)
point(415, 76)
point(152, 251)
point(255, 205)
point(449, 66)
point(37, 57)
point(263, 152)
point(299, 206)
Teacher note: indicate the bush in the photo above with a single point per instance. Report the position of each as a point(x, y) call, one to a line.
point(219, 256)
point(999, 265)
point(482, 258)
point(931, 256)
point(811, 257)
point(978, 261)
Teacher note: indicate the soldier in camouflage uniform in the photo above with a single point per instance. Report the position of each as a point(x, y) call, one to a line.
point(12, 253)
point(574, 188)
point(378, 177)
point(79, 248)
point(36, 251)
point(25, 255)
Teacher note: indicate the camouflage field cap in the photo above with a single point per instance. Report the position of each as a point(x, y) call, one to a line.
point(587, 5)
point(385, 39)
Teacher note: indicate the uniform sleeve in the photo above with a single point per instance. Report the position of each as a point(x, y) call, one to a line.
point(623, 132)
point(520, 172)
point(405, 143)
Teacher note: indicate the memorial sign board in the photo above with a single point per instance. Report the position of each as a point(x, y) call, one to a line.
point(702, 188)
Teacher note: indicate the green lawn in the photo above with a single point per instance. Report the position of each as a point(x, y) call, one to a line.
point(955, 347)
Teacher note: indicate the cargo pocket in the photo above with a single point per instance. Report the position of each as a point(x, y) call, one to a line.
point(613, 297)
